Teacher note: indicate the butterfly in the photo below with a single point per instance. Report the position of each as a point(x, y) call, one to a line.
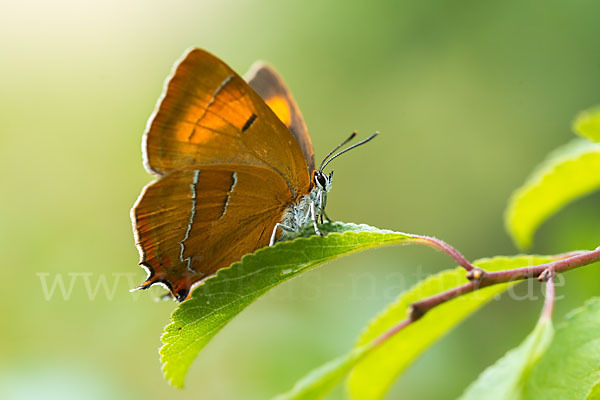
point(235, 168)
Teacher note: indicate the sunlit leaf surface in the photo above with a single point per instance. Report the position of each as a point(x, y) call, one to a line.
point(213, 304)
point(569, 173)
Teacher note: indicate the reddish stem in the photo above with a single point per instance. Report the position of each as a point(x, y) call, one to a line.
point(392, 331)
point(480, 279)
point(550, 296)
point(446, 248)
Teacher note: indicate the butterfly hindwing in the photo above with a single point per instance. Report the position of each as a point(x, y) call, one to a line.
point(190, 223)
point(265, 80)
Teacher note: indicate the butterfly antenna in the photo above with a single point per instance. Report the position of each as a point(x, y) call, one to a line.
point(324, 164)
point(337, 147)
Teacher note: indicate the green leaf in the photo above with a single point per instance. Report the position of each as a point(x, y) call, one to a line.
point(570, 369)
point(505, 379)
point(322, 380)
point(371, 378)
point(570, 172)
point(221, 297)
point(594, 393)
point(587, 124)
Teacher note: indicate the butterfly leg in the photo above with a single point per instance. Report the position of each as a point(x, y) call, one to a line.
point(313, 215)
point(322, 212)
point(283, 227)
point(322, 207)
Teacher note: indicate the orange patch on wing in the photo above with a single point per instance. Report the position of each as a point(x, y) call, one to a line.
point(280, 107)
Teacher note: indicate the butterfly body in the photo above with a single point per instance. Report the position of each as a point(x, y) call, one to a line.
point(301, 214)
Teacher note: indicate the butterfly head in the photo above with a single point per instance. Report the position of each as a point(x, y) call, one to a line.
point(322, 180)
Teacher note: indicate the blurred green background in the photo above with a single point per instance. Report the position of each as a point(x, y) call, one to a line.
point(468, 96)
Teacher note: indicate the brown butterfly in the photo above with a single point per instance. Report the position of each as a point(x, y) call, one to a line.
point(236, 172)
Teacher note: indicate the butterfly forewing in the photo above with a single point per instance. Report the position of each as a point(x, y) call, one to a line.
point(209, 115)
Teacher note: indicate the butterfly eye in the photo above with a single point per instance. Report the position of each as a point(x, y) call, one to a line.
point(320, 180)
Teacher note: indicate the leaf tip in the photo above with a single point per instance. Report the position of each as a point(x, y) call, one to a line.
point(587, 124)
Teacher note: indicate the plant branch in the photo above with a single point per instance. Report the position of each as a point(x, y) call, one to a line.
point(446, 248)
point(548, 276)
point(480, 279)
point(391, 332)
point(550, 296)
